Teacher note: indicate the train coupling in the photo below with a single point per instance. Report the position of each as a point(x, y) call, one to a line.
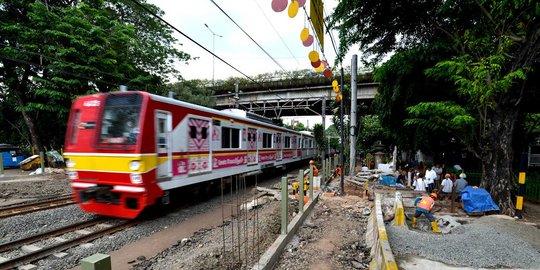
point(97, 193)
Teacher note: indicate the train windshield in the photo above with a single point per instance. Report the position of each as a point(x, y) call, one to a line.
point(120, 123)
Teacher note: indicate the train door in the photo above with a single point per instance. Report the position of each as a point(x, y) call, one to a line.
point(163, 144)
point(278, 147)
point(294, 146)
point(199, 145)
point(252, 146)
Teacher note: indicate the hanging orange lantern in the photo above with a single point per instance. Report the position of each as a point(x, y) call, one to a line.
point(335, 83)
point(339, 97)
point(304, 34)
point(313, 56)
point(293, 9)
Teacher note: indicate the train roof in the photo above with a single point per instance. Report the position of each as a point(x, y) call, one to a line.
point(231, 113)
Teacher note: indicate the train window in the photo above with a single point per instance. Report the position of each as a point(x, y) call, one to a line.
point(204, 131)
point(193, 132)
point(75, 127)
point(120, 123)
point(287, 142)
point(230, 137)
point(267, 140)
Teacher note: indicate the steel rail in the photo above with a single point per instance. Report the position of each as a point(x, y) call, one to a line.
point(46, 251)
point(34, 238)
point(35, 206)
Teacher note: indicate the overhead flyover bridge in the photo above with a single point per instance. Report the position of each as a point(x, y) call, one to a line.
point(289, 97)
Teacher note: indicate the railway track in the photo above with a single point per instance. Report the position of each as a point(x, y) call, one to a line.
point(36, 206)
point(93, 229)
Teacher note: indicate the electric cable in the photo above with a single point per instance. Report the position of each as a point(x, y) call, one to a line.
point(277, 33)
point(189, 38)
point(275, 61)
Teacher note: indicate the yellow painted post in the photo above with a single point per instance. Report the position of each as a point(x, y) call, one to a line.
point(399, 216)
point(521, 190)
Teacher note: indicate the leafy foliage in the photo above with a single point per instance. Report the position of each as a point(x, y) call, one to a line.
point(491, 48)
point(194, 92)
point(51, 52)
point(318, 132)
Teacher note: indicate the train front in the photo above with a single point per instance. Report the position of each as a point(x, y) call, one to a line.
point(111, 172)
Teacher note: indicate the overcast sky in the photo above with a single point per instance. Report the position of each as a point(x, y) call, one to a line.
point(258, 19)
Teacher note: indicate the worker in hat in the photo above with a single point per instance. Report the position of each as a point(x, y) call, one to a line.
point(316, 178)
point(315, 170)
point(424, 205)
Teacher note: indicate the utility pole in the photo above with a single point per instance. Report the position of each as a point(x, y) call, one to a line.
point(236, 96)
point(213, 49)
point(323, 124)
point(341, 155)
point(354, 68)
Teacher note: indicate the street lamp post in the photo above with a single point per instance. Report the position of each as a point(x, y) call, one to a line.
point(213, 48)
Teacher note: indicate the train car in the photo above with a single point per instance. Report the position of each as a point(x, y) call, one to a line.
point(126, 150)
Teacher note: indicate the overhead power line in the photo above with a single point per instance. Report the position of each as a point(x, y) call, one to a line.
point(188, 37)
point(277, 33)
point(330, 34)
point(192, 40)
point(248, 35)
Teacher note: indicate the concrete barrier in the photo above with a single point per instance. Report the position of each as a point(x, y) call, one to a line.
point(399, 210)
point(377, 239)
point(271, 256)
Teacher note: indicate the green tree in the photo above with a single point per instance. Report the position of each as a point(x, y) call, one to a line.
point(318, 132)
point(51, 52)
point(194, 92)
point(334, 138)
point(493, 49)
point(299, 126)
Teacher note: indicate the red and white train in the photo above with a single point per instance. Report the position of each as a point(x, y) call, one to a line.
point(126, 150)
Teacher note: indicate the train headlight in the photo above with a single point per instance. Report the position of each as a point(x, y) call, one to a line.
point(70, 163)
point(134, 165)
point(73, 175)
point(136, 178)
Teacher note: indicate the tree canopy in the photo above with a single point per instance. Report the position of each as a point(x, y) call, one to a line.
point(463, 68)
point(53, 51)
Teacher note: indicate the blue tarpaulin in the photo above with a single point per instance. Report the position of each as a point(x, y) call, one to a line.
point(477, 200)
point(387, 180)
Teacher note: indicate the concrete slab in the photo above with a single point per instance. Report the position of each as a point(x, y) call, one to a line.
point(417, 263)
point(27, 267)
point(103, 226)
point(87, 245)
point(60, 255)
point(83, 232)
point(60, 239)
point(30, 248)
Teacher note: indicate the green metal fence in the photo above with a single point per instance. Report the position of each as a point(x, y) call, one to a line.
point(532, 188)
point(532, 184)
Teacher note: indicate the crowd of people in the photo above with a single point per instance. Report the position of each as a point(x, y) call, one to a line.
point(434, 179)
point(438, 182)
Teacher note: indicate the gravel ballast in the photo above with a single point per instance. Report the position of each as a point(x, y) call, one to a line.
point(489, 242)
